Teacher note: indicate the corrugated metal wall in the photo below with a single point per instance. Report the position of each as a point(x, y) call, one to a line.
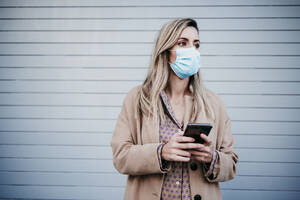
point(65, 67)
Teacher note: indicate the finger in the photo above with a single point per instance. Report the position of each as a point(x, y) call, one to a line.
point(198, 153)
point(181, 159)
point(180, 132)
point(183, 153)
point(204, 149)
point(174, 137)
point(182, 139)
point(207, 141)
point(189, 145)
point(201, 156)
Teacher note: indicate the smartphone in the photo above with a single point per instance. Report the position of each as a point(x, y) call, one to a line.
point(195, 129)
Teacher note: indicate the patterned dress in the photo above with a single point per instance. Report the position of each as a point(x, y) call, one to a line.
point(176, 185)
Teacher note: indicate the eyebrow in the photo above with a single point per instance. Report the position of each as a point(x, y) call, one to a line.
point(182, 38)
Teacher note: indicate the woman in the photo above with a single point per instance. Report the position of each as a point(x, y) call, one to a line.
point(148, 142)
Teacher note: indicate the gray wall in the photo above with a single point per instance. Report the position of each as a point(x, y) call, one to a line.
point(65, 67)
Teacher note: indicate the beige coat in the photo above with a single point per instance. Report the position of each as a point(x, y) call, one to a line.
point(134, 145)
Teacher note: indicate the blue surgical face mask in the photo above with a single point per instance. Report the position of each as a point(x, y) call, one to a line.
point(187, 62)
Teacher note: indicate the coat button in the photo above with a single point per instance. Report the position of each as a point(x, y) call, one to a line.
point(197, 197)
point(193, 166)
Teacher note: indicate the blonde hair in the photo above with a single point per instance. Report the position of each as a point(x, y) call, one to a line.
point(148, 100)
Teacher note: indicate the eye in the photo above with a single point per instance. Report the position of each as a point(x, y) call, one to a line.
point(197, 45)
point(181, 44)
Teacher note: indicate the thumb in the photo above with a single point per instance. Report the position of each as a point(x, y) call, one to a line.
point(180, 132)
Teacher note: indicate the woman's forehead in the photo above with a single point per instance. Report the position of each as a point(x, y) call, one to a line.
point(190, 33)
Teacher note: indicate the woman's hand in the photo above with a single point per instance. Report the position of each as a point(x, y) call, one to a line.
point(177, 149)
point(205, 152)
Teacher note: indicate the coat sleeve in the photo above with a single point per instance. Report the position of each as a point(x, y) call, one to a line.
point(128, 156)
point(225, 165)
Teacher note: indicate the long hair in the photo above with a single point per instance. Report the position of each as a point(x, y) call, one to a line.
point(148, 99)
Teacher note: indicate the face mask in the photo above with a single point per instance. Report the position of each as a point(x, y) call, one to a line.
point(187, 62)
